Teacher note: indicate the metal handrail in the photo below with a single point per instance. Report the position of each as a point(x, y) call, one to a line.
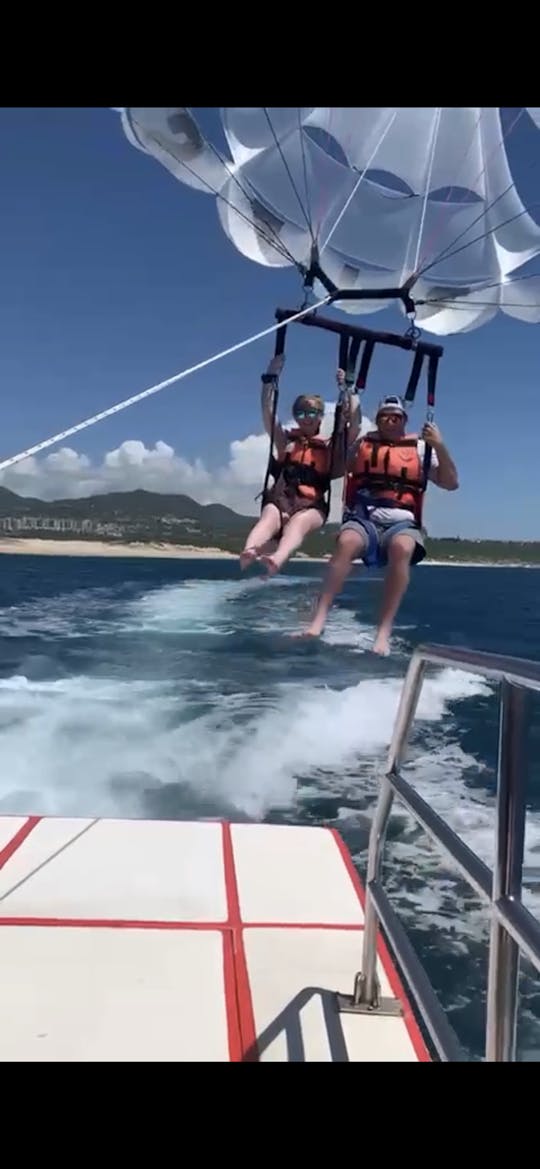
point(513, 927)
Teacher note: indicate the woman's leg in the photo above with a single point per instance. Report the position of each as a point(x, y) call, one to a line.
point(265, 528)
point(298, 527)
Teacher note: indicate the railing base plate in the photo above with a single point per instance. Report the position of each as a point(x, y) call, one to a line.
point(346, 1005)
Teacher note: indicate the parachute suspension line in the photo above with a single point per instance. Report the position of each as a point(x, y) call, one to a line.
point(442, 254)
point(465, 304)
point(433, 147)
point(357, 184)
point(493, 151)
point(314, 271)
point(278, 246)
point(485, 288)
point(478, 238)
point(288, 169)
point(47, 442)
point(420, 267)
point(324, 195)
point(436, 233)
point(304, 164)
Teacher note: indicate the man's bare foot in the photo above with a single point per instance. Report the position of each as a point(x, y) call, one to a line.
point(271, 564)
point(313, 630)
point(381, 645)
point(247, 557)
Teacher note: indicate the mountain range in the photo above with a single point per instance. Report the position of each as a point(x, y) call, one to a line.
point(127, 516)
point(149, 516)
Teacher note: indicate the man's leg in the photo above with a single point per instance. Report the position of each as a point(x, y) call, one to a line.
point(350, 545)
point(400, 551)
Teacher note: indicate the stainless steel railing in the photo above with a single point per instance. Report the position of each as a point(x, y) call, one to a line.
point(513, 928)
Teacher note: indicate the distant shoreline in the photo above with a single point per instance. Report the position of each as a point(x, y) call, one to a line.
point(36, 547)
point(99, 548)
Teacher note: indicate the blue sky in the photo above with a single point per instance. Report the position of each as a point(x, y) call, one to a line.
point(114, 276)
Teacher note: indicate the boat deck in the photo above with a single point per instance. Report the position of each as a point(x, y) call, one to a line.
point(136, 940)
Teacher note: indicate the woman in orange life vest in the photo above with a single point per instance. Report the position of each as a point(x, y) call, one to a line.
point(382, 521)
point(305, 465)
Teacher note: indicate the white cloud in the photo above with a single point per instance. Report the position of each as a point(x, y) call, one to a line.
point(67, 474)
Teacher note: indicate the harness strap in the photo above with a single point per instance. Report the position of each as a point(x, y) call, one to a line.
point(433, 363)
point(365, 362)
point(279, 349)
point(400, 484)
point(299, 473)
point(349, 348)
point(414, 376)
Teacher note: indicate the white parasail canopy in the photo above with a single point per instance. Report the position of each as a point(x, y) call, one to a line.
point(389, 196)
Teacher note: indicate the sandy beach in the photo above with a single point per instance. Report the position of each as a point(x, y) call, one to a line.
point(36, 547)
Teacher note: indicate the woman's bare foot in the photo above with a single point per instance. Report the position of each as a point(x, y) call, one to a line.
point(381, 645)
point(271, 564)
point(247, 557)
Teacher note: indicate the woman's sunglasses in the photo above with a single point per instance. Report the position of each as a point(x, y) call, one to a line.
point(308, 414)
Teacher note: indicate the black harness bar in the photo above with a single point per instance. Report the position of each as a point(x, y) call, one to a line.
point(314, 321)
point(316, 272)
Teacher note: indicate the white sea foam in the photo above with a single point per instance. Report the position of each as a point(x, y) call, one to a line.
point(192, 607)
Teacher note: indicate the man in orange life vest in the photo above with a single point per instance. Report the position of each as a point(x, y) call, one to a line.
point(382, 519)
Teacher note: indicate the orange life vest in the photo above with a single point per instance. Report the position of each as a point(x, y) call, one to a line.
point(391, 473)
point(305, 465)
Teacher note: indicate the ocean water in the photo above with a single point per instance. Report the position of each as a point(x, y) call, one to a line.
point(171, 689)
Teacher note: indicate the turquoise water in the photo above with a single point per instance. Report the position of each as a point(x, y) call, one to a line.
point(170, 688)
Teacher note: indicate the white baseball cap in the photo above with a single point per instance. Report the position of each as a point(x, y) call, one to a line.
point(392, 404)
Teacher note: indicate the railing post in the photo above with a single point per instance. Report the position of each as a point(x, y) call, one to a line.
point(410, 695)
point(503, 973)
point(366, 989)
point(368, 985)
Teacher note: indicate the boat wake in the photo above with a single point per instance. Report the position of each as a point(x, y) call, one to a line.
point(181, 712)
